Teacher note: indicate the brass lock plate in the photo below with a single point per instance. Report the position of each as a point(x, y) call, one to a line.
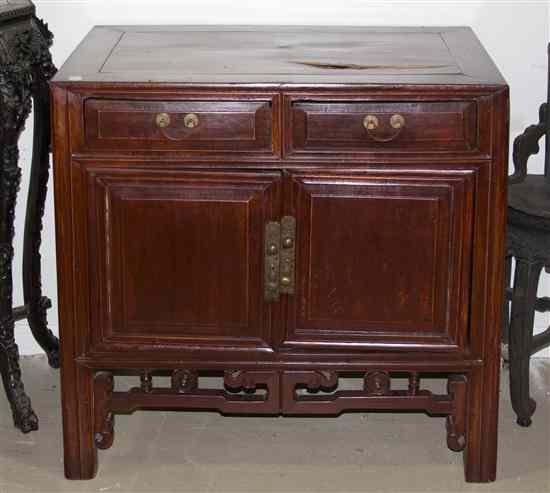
point(279, 258)
point(288, 254)
point(272, 248)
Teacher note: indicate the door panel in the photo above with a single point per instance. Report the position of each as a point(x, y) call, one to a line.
point(381, 260)
point(179, 257)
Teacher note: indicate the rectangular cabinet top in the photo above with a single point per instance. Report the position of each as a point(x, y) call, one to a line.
point(280, 55)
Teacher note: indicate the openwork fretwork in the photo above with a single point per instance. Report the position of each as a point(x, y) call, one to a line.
point(278, 392)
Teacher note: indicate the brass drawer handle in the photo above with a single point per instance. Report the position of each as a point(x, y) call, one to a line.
point(163, 120)
point(191, 120)
point(372, 123)
point(397, 121)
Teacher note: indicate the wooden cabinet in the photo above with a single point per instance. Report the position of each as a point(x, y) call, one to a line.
point(316, 207)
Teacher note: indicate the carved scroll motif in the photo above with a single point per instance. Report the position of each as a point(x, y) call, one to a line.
point(321, 380)
point(377, 383)
point(184, 381)
point(237, 380)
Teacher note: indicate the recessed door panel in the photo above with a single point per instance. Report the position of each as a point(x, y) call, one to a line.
point(381, 261)
point(179, 257)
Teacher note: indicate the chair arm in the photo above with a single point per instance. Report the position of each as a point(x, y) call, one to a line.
point(527, 144)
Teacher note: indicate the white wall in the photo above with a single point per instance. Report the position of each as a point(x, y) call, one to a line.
point(514, 32)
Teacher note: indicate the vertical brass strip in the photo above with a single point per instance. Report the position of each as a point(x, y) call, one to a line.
point(288, 254)
point(272, 248)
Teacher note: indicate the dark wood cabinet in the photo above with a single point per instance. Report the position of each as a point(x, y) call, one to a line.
point(300, 207)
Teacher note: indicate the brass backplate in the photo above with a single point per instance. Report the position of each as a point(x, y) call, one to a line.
point(272, 249)
point(288, 254)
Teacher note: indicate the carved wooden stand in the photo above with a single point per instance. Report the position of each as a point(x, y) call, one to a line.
point(25, 69)
point(277, 392)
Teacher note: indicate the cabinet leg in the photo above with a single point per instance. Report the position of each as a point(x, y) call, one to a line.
point(10, 176)
point(80, 452)
point(32, 286)
point(480, 455)
point(521, 336)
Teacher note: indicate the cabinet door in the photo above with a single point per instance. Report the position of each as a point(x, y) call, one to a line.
point(176, 257)
point(382, 261)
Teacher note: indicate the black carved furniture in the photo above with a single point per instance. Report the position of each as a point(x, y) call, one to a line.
point(282, 208)
point(528, 242)
point(25, 69)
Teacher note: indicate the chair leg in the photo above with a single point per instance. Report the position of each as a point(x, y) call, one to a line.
point(521, 335)
point(506, 304)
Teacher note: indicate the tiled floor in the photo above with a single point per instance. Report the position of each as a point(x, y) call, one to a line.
point(199, 452)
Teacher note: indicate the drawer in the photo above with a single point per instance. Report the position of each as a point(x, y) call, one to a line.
point(403, 126)
point(180, 125)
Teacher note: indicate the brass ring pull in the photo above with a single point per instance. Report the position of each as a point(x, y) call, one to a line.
point(174, 127)
point(397, 121)
point(191, 120)
point(372, 123)
point(162, 120)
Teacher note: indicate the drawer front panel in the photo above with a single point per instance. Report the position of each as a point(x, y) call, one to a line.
point(177, 258)
point(183, 125)
point(396, 127)
point(381, 262)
